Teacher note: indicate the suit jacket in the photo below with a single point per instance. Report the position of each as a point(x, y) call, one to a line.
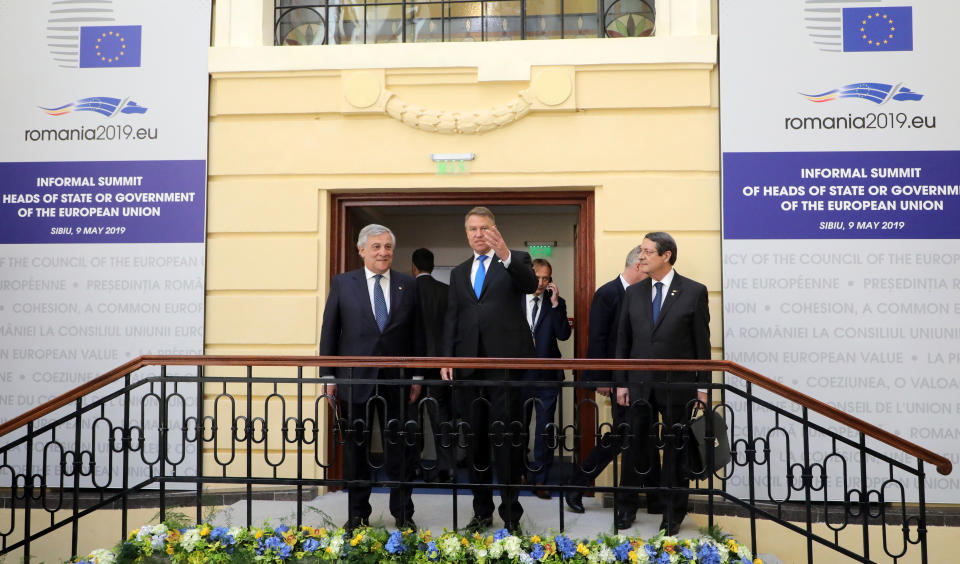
point(493, 319)
point(432, 295)
point(350, 329)
point(604, 324)
point(552, 326)
point(682, 331)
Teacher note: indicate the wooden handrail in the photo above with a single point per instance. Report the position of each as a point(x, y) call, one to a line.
point(943, 465)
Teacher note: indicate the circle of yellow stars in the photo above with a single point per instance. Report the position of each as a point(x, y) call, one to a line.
point(123, 45)
point(886, 20)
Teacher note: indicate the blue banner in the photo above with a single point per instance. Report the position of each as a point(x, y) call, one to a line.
point(842, 195)
point(103, 202)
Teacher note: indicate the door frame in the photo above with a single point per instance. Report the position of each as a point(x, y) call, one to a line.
point(343, 236)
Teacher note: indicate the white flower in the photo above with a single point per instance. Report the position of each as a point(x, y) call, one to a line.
point(450, 546)
point(157, 541)
point(190, 539)
point(103, 556)
point(606, 554)
point(336, 544)
point(526, 558)
point(496, 549)
point(481, 554)
point(512, 544)
point(744, 552)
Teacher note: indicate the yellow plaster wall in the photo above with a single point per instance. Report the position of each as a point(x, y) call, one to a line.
point(644, 137)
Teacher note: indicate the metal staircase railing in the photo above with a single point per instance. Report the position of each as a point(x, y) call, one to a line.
point(165, 427)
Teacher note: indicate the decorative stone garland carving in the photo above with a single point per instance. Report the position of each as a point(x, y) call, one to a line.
point(462, 122)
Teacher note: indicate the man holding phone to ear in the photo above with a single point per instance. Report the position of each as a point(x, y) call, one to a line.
point(547, 316)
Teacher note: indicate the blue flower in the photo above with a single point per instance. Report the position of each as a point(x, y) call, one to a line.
point(501, 534)
point(395, 544)
point(651, 552)
point(281, 529)
point(432, 553)
point(565, 546)
point(279, 547)
point(687, 553)
point(311, 545)
point(708, 554)
point(664, 558)
point(537, 552)
point(217, 533)
point(622, 551)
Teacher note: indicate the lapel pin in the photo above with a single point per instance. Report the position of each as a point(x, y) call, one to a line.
point(399, 288)
point(673, 292)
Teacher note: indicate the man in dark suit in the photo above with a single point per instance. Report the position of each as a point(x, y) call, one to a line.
point(663, 317)
point(602, 343)
point(373, 311)
point(484, 319)
point(546, 313)
point(433, 295)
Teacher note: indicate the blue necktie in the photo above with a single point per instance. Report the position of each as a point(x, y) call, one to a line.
point(656, 301)
point(533, 315)
point(481, 273)
point(379, 303)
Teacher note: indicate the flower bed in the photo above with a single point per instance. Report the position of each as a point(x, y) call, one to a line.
point(282, 544)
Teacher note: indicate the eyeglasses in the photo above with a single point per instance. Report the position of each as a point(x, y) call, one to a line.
point(648, 252)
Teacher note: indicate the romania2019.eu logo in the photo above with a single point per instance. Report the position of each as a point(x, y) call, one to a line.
point(102, 105)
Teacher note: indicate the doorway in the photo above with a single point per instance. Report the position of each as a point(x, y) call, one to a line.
point(435, 220)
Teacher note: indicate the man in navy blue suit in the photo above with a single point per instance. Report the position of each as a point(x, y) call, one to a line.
point(602, 343)
point(546, 313)
point(664, 316)
point(373, 311)
point(484, 319)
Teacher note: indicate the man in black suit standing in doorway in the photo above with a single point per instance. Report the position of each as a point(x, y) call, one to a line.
point(373, 311)
point(484, 319)
point(602, 343)
point(663, 317)
point(433, 295)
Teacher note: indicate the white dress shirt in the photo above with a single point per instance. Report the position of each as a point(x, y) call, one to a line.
point(666, 286)
point(486, 264)
point(384, 285)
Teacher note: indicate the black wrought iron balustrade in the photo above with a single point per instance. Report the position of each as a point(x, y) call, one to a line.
point(161, 429)
point(335, 22)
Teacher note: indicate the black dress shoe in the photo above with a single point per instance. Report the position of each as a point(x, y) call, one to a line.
point(542, 493)
point(671, 529)
point(354, 523)
point(624, 519)
point(513, 527)
point(479, 523)
point(405, 524)
point(574, 501)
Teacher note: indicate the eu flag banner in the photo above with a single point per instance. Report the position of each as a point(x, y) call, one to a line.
point(105, 46)
point(878, 29)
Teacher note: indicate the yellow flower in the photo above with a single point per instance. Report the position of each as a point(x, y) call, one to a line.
point(732, 545)
point(535, 539)
point(356, 540)
point(169, 549)
point(258, 533)
point(464, 542)
point(323, 532)
point(330, 550)
point(582, 549)
point(633, 556)
point(133, 533)
point(289, 538)
point(757, 561)
point(205, 530)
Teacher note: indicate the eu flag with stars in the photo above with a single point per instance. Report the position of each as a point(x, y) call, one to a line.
point(105, 46)
point(878, 29)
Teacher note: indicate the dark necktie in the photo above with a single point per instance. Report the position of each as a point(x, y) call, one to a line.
point(533, 315)
point(481, 273)
point(656, 301)
point(379, 303)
